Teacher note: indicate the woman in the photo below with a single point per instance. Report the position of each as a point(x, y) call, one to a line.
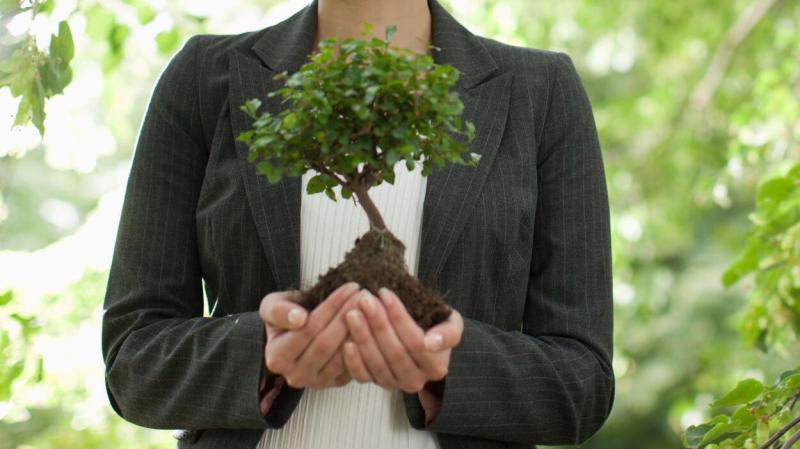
point(520, 244)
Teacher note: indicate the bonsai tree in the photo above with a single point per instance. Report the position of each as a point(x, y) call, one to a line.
point(356, 109)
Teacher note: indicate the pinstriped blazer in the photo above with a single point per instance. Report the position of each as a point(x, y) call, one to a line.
point(520, 244)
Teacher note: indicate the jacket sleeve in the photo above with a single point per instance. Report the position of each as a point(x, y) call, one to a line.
point(167, 366)
point(550, 383)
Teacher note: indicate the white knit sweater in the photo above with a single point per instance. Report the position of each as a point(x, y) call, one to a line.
point(357, 415)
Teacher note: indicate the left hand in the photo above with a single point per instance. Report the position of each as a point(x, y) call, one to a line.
point(389, 348)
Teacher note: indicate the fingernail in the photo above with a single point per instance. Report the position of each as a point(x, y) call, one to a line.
point(295, 316)
point(433, 342)
point(352, 317)
point(384, 294)
point(369, 302)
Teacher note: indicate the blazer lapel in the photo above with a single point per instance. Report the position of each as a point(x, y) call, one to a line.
point(451, 192)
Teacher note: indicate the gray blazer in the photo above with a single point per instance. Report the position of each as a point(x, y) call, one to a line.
point(520, 244)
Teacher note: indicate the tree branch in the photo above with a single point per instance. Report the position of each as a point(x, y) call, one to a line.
point(780, 432)
point(323, 169)
point(704, 91)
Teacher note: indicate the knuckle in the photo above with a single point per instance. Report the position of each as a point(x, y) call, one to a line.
point(362, 379)
point(417, 345)
point(360, 336)
point(414, 386)
point(380, 324)
point(395, 353)
point(381, 372)
point(320, 348)
point(440, 373)
point(293, 382)
point(311, 329)
point(273, 364)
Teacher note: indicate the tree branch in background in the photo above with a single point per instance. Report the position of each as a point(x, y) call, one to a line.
point(749, 18)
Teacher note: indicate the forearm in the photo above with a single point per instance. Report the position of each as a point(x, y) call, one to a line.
point(189, 373)
point(512, 387)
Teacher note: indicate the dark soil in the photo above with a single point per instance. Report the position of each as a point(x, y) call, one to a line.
point(377, 261)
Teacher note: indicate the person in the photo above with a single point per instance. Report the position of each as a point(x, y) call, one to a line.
point(520, 245)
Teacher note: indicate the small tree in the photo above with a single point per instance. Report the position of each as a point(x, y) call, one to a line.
point(356, 109)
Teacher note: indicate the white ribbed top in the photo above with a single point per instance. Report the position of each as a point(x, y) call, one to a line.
point(356, 415)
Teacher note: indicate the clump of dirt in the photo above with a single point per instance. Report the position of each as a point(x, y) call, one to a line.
point(377, 260)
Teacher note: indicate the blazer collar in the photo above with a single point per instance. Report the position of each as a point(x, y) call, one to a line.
point(451, 192)
point(459, 47)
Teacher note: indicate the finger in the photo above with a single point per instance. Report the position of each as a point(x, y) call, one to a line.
point(325, 344)
point(332, 368)
point(277, 309)
point(333, 374)
point(370, 353)
point(294, 343)
point(409, 376)
point(343, 379)
point(445, 335)
point(355, 364)
point(408, 331)
point(272, 332)
point(328, 308)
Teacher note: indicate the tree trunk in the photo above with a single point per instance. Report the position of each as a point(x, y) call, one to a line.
point(374, 215)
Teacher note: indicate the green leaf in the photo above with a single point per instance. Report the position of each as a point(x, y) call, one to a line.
point(366, 28)
point(392, 156)
point(744, 392)
point(290, 120)
point(45, 6)
point(775, 189)
point(251, 107)
point(346, 193)
point(6, 297)
point(99, 22)
point(144, 13)
point(272, 173)
point(390, 30)
point(167, 40)
point(720, 428)
point(119, 33)
point(331, 193)
point(746, 262)
point(61, 44)
point(316, 184)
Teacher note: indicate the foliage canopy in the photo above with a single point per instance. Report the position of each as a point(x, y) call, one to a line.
point(356, 109)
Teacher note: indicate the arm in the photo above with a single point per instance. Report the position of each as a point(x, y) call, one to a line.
point(552, 382)
point(167, 366)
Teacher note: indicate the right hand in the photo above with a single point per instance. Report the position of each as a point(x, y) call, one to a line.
point(308, 352)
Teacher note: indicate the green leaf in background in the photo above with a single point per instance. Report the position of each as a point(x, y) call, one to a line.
point(99, 22)
point(390, 30)
point(744, 392)
point(167, 41)
point(61, 45)
point(45, 6)
point(144, 13)
point(6, 297)
point(272, 173)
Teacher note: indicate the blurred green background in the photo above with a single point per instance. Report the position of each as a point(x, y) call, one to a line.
point(696, 103)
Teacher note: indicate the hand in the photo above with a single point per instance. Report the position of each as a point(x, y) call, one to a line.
point(390, 349)
point(303, 347)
